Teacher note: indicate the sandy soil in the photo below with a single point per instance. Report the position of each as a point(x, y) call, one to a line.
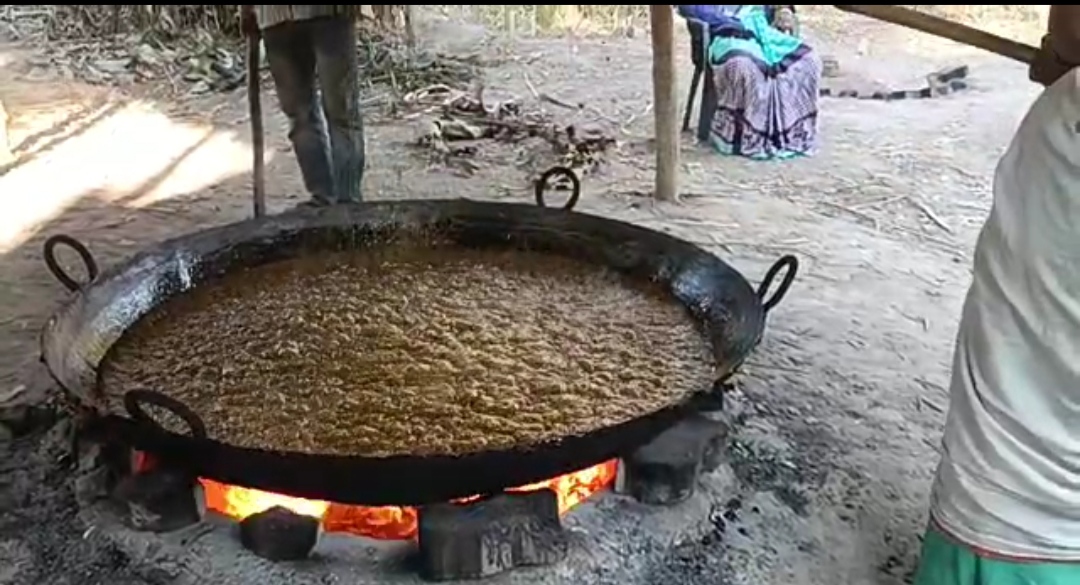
point(839, 411)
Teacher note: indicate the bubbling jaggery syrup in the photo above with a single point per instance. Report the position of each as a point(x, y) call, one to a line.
point(413, 349)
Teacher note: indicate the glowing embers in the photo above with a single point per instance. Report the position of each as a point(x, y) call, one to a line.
point(469, 538)
point(388, 522)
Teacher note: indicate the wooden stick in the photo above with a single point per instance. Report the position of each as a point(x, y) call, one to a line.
point(258, 145)
point(410, 30)
point(947, 29)
point(666, 113)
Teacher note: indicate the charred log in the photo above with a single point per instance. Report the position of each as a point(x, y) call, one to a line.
point(484, 538)
point(159, 500)
point(665, 471)
point(279, 534)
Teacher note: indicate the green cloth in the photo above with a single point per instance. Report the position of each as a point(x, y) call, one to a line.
point(767, 43)
point(946, 562)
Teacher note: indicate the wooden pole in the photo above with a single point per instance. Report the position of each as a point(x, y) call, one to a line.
point(508, 20)
point(410, 30)
point(948, 29)
point(666, 110)
point(258, 165)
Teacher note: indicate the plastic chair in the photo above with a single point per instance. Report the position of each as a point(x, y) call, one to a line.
point(700, 38)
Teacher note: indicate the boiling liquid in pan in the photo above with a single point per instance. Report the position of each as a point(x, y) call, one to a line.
point(413, 349)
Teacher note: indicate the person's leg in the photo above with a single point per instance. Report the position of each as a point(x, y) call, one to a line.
point(794, 101)
point(291, 55)
point(335, 51)
point(740, 120)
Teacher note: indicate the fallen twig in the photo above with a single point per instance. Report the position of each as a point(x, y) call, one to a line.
point(922, 235)
point(923, 207)
point(558, 102)
point(873, 221)
point(700, 223)
point(547, 97)
point(923, 401)
point(877, 203)
point(644, 112)
point(529, 84)
point(975, 206)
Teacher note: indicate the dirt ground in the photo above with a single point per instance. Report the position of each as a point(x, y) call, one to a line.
point(840, 408)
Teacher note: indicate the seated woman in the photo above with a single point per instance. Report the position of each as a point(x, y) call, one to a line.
point(766, 81)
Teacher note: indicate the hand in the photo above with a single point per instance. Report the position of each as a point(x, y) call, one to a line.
point(249, 24)
point(1047, 67)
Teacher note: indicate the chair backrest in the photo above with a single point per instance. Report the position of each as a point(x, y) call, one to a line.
point(700, 21)
point(699, 33)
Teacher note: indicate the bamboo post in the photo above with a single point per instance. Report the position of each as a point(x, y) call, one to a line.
point(944, 28)
point(508, 20)
point(258, 167)
point(666, 110)
point(410, 29)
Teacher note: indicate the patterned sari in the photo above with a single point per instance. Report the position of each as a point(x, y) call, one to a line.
point(767, 85)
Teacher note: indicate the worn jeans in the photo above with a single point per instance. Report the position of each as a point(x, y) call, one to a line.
point(308, 58)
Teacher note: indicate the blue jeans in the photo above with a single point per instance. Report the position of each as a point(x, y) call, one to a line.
point(308, 58)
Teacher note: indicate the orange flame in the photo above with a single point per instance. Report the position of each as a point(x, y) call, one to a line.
point(388, 522)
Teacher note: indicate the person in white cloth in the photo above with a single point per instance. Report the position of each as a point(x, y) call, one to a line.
point(1005, 505)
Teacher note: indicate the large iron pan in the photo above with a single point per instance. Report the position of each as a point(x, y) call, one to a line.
point(77, 337)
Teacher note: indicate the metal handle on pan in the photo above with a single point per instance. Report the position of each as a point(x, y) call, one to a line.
point(542, 184)
point(791, 264)
point(54, 267)
point(134, 400)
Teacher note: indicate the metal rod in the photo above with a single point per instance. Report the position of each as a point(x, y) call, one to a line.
point(258, 167)
point(946, 29)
